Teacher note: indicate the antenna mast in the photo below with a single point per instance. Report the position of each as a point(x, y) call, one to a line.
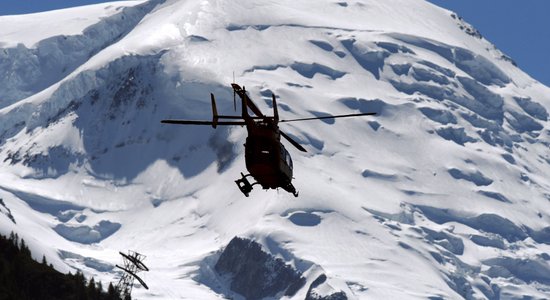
point(133, 263)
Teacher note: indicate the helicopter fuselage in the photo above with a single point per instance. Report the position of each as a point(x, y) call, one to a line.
point(266, 158)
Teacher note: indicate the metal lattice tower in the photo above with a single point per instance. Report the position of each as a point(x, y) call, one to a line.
point(133, 263)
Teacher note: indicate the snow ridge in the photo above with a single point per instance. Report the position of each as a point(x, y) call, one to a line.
point(27, 71)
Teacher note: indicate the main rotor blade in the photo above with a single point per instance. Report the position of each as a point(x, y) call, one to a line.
point(329, 117)
point(191, 122)
point(293, 142)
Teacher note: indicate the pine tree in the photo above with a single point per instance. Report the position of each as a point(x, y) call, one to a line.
point(81, 284)
point(23, 278)
point(112, 292)
point(90, 290)
point(24, 248)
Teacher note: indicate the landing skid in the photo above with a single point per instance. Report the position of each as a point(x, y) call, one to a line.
point(291, 189)
point(244, 185)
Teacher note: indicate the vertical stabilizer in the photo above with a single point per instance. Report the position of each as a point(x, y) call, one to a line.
point(214, 111)
point(275, 110)
point(244, 98)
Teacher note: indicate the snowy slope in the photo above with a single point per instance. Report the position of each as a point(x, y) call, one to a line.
point(443, 195)
point(23, 29)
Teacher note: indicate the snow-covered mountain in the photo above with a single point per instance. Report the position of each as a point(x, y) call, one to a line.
point(443, 195)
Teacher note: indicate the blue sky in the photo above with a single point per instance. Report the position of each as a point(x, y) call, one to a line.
point(12, 7)
point(521, 29)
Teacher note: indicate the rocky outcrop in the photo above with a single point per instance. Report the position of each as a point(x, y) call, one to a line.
point(256, 274)
point(314, 293)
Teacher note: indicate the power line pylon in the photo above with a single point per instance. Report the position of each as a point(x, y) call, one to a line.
point(133, 263)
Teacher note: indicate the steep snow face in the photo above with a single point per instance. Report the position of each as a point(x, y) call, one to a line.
point(442, 195)
point(41, 49)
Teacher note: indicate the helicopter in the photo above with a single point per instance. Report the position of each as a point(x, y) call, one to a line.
point(267, 160)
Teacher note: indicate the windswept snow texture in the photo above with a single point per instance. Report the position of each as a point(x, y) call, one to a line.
point(444, 194)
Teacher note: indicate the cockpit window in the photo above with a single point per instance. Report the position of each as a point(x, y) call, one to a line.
point(289, 161)
point(286, 156)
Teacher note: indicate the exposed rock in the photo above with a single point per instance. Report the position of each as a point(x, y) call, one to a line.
point(446, 240)
point(7, 212)
point(256, 274)
point(314, 294)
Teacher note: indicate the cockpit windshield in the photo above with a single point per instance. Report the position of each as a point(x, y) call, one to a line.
point(286, 157)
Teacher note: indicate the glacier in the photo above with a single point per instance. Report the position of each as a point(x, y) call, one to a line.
point(443, 195)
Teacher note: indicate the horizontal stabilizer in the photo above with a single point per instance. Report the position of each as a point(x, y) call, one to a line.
point(192, 122)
